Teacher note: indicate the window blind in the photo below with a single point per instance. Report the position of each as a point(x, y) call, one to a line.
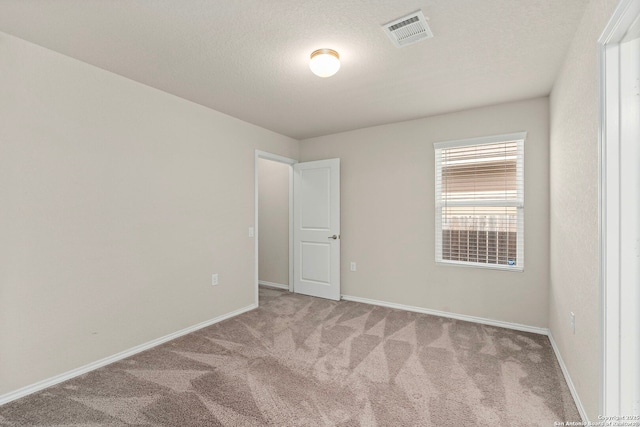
point(480, 201)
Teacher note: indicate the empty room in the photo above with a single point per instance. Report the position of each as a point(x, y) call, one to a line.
point(316, 213)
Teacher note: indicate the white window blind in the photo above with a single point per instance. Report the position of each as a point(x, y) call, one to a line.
point(480, 201)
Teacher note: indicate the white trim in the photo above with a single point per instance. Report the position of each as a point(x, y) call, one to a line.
point(291, 228)
point(614, 371)
point(41, 385)
point(516, 136)
point(277, 158)
point(485, 265)
point(486, 202)
point(567, 378)
point(273, 285)
point(464, 317)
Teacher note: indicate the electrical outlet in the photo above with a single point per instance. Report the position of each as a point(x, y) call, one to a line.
point(353, 266)
point(252, 232)
point(214, 279)
point(572, 322)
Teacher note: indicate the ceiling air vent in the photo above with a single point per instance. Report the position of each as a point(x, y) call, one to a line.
point(408, 29)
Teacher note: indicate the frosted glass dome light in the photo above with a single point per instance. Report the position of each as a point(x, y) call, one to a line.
point(324, 62)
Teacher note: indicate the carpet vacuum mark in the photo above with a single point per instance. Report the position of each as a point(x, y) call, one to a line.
point(303, 361)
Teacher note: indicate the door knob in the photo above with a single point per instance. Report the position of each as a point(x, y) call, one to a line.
point(334, 237)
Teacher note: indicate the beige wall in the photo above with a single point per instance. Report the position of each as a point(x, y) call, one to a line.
point(387, 203)
point(118, 202)
point(273, 222)
point(574, 207)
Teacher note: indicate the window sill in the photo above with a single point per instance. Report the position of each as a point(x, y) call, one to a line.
point(516, 269)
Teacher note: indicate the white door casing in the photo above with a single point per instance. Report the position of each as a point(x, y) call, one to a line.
point(630, 224)
point(316, 235)
point(619, 210)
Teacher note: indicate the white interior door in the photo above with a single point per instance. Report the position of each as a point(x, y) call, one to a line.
point(316, 228)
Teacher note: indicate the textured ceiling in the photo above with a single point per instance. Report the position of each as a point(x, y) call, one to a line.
point(249, 58)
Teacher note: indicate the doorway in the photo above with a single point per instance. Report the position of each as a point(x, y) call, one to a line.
point(300, 205)
point(273, 221)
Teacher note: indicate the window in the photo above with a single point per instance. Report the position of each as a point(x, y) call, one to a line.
point(480, 202)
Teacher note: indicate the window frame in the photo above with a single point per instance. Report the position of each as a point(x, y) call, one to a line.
point(520, 138)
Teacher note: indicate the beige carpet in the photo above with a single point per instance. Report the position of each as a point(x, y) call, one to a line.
point(303, 361)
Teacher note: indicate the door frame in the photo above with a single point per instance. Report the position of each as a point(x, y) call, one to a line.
point(288, 161)
point(613, 306)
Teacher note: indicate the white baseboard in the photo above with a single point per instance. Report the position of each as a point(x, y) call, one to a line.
point(6, 398)
point(491, 322)
point(40, 385)
point(567, 377)
point(273, 285)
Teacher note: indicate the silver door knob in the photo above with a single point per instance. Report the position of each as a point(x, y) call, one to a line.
point(334, 237)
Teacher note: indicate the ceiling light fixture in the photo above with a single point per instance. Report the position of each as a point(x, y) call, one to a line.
point(324, 62)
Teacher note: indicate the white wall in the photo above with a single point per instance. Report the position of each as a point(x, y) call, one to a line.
point(388, 229)
point(118, 202)
point(574, 207)
point(273, 222)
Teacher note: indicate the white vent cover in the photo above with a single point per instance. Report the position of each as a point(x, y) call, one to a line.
point(408, 29)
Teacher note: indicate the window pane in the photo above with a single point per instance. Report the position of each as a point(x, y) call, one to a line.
point(480, 234)
point(480, 172)
point(479, 200)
